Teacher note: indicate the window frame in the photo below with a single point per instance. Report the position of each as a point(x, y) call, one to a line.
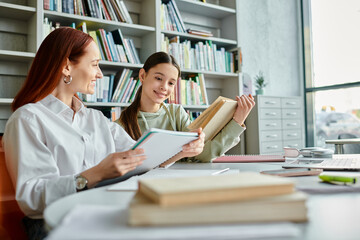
point(309, 89)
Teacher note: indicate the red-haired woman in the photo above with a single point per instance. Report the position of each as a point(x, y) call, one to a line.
point(54, 146)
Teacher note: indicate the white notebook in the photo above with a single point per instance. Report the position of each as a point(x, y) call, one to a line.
point(159, 145)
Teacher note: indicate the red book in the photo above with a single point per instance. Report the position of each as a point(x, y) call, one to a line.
point(47, 4)
point(249, 158)
point(106, 44)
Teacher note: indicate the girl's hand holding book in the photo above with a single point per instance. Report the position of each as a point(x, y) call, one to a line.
point(189, 150)
point(245, 104)
point(195, 147)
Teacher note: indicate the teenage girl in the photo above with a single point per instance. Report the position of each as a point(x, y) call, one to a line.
point(158, 77)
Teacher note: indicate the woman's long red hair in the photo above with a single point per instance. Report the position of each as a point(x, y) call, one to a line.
point(46, 70)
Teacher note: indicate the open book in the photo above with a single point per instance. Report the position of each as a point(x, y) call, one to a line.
point(215, 117)
point(159, 145)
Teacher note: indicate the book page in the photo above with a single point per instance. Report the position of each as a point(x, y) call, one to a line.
point(206, 116)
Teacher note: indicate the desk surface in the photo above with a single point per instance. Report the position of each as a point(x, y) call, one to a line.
point(331, 216)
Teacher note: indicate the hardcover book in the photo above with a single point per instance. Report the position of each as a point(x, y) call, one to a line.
point(215, 117)
point(210, 189)
point(288, 207)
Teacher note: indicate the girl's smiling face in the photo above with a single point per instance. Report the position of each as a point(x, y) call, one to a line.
point(158, 83)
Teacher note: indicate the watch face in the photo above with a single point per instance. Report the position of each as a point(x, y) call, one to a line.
point(80, 182)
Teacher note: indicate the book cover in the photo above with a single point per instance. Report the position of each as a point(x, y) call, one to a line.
point(101, 35)
point(289, 207)
point(249, 158)
point(113, 52)
point(215, 117)
point(211, 189)
point(117, 11)
point(119, 77)
point(138, 84)
point(177, 12)
point(111, 87)
point(130, 91)
point(124, 85)
point(125, 93)
point(125, 11)
point(153, 138)
point(121, 84)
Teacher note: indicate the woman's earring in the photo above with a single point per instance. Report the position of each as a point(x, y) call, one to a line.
point(67, 82)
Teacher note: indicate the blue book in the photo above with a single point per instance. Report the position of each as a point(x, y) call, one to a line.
point(113, 55)
point(111, 86)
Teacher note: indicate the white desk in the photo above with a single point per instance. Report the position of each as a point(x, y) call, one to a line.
point(331, 216)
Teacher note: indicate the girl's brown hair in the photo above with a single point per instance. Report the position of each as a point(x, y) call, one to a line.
point(128, 117)
point(46, 70)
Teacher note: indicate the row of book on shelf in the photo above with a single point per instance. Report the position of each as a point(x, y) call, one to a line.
point(112, 45)
point(190, 90)
point(114, 10)
point(122, 87)
point(201, 55)
point(119, 88)
point(171, 20)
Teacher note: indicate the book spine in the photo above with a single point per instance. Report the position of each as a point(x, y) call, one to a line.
point(138, 84)
point(46, 4)
point(119, 82)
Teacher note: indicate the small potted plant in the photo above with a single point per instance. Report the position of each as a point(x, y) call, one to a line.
point(260, 83)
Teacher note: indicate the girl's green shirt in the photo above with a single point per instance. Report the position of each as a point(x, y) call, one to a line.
point(174, 117)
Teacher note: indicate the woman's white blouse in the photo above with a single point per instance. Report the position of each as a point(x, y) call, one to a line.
point(46, 145)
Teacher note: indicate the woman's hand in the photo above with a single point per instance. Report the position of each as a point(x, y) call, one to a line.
point(244, 106)
point(189, 150)
point(115, 165)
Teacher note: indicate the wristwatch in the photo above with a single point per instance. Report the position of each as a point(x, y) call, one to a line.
point(80, 183)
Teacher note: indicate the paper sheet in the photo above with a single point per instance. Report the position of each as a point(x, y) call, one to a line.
point(132, 183)
point(110, 222)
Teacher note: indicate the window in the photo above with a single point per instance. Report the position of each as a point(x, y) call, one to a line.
point(332, 69)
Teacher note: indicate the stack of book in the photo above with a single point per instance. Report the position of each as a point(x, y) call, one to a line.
point(246, 197)
point(199, 32)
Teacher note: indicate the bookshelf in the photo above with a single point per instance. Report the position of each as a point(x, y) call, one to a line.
point(21, 33)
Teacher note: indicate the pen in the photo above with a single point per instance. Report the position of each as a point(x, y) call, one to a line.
point(221, 171)
point(328, 178)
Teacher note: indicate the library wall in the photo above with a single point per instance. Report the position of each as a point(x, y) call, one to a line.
point(270, 40)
